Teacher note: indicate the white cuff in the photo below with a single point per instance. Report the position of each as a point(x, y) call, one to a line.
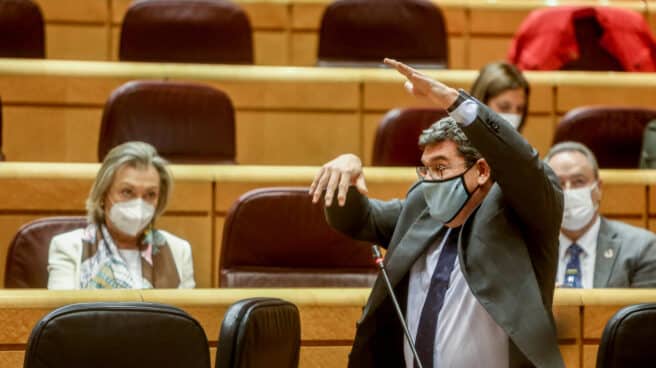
point(465, 114)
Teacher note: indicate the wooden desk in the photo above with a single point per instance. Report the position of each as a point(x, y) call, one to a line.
point(327, 317)
point(285, 32)
point(203, 195)
point(285, 116)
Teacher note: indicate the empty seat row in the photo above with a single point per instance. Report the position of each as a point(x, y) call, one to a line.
point(356, 33)
point(613, 133)
point(195, 124)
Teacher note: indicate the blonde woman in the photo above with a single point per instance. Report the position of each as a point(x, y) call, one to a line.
point(121, 248)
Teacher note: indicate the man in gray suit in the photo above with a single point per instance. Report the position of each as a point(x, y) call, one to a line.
point(475, 243)
point(596, 252)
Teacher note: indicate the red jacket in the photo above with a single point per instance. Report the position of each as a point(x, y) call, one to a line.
point(546, 39)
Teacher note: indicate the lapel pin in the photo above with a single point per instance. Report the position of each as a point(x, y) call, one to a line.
point(608, 253)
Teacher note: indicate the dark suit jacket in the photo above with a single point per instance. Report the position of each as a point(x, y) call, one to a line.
point(508, 250)
point(626, 256)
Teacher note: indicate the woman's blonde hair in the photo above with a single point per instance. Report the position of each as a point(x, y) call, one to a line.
point(139, 155)
point(496, 78)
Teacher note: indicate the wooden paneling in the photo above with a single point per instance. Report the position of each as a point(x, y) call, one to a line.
point(327, 316)
point(457, 57)
point(614, 199)
point(290, 116)
point(203, 195)
point(286, 31)
point(500, 21)
point(324, 356)
point(572, 95)
point(271, 48)
point(197, 230)
point(568, 322)
point(590, 356)
point(570, 353)
point(370, 124)
point(53, 134)
point(536, 128)
point(485, 50)
point(304, 49)
point(308, 138)
point(74, 11)
point(63, 42)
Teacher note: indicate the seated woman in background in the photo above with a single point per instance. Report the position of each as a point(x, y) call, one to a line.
point(120, 248)
point(504, 89)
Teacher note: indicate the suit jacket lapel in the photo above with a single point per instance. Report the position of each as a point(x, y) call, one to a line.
point(400, 259)
point(608, 247)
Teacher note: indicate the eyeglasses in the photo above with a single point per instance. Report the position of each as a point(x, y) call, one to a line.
point(436, 172)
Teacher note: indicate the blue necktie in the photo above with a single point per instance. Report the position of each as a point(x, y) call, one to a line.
point(572, 278)
point(427, 329)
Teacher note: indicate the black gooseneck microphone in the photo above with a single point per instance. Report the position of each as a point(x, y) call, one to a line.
point(378, 258)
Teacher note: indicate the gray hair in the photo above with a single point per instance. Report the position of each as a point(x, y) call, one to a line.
point(136, 154)
point(570, 146)
point(447, 129)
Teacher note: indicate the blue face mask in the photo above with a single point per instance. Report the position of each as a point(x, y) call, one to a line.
point(446, 198)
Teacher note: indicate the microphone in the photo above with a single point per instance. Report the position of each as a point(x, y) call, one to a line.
point(378, 258)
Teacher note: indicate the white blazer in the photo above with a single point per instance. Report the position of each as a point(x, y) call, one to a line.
point(65, 255)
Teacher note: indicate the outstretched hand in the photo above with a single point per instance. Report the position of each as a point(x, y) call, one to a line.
point(336, 176)
point(422, 86)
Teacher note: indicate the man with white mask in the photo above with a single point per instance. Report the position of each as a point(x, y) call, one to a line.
point(596, 252)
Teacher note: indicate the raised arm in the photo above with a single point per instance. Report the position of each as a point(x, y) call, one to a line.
point(529, 186)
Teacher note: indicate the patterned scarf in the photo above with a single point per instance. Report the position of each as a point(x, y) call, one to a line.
point(103, 267)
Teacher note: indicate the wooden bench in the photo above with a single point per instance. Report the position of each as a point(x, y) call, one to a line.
point(285, 32)
point(284, 116)
point(327, 317)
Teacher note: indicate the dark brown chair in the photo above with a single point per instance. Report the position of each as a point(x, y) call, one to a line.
point(628, 338)
point(115, 334)
point(27, 258)
point(259, 333)
point(186, 31)
point(276, 237)
point(363, 32)
point(22, 33)
point(397, 137)
point(187, 123)
point(614, 134)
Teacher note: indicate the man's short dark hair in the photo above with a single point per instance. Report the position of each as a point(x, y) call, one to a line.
point(569, 146)
point(447, 129)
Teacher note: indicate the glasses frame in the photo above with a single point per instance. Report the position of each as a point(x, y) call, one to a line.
point(426, 176)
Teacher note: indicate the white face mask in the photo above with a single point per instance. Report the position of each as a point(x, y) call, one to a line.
point(130, 217)
point(513, 119)
point(579, 209)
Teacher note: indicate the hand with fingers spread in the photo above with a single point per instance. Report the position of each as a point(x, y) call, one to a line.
point(336, 176)
point(422, 86)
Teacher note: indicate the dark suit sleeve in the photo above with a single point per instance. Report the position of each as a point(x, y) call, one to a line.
point(365, 219)
point(528, 184)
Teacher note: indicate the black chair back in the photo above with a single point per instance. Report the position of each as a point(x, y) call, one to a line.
point(109, 335)
point(259, 332)
point(628, 338)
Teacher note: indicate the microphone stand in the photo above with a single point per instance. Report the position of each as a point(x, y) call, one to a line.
point(378, 258)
